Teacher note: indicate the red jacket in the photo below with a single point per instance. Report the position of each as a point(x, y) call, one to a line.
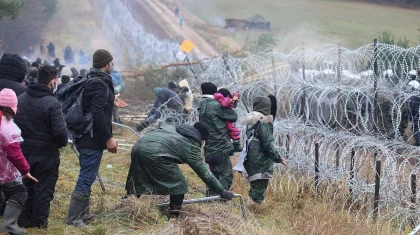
point(12, 162)
point(226, 102)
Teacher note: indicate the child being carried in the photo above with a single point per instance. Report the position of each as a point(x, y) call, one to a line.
point(229, 101)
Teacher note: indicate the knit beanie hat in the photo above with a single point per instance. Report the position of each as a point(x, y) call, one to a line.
point(157, 90)
point(33, 74)
point(66, 71)
point(56, 62)
point(35, 64)
point(83, 72)
point(208, 88)
point(65, 79)
point(203, 128)
point(184, 83)
point(101, 58)
point(12, 67)
point(225, 92)
point(8, 99)
point(172, 85)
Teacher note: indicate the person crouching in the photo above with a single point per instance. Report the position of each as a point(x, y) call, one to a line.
point(154, 164)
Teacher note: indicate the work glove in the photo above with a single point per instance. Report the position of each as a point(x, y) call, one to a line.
point(227, 195)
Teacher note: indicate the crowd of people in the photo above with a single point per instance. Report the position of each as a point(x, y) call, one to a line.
point(34, 125)
point(49, 52)
point(33, 128)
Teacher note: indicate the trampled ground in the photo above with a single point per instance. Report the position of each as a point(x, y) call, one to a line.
point(287, 210)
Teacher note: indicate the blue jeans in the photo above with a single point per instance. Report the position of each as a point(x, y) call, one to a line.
point(89, 160)
point(152, 118)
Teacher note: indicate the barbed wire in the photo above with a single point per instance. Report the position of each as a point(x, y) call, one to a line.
point(350, 105)
point(129, 38)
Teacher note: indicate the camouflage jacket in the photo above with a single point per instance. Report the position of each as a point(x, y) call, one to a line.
point(262, 152)
point(214, 115)
point(154, 160)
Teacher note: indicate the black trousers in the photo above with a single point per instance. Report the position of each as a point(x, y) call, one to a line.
point(40, 195)
point(175, 205)
point(13, 191)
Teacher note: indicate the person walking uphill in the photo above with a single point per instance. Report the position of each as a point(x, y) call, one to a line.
point(13, 164)
point(12, 73)
point(98, 99)
point(154, 160)
point(43, 128)
point(261, 152)
point(218, 148)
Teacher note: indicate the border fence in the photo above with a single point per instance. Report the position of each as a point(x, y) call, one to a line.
point(344, 121)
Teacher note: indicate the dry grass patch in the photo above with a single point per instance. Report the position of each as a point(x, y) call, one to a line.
point(290, 208)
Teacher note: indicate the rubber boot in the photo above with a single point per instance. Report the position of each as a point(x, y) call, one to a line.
point(10, 216)
point(88, 216)
point(174, 211)
point(77, 209)
point(2, 200)
point(252, 202)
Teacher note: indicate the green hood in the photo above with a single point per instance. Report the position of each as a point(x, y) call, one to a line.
point(262, 104)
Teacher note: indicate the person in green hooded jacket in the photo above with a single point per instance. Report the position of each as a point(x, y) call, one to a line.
point(219, 147)
point(261, 150)
point(154, 159)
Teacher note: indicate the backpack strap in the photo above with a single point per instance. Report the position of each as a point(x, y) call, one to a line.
point(254, 127)
point(251, 137)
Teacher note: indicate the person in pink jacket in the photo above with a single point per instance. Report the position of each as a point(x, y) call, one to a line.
point(228, 101)
point(13, 164)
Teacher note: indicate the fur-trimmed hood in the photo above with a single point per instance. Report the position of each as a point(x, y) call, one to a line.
point(253, 117)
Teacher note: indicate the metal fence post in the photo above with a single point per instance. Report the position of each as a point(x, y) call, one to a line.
point(413, 200)
point(377, 186)
point(375, 81)
point(316, 165)
point(337, 157)
point(352, 158)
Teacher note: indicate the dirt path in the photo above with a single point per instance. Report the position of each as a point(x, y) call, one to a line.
point(202, 48)
point(143, 16)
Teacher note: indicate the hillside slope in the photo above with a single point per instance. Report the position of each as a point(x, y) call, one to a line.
point(314, 22)
point(76, 24)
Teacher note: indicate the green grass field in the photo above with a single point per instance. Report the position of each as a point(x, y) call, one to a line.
point(313, 22)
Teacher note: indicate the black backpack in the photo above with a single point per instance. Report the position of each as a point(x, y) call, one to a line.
point(70, 96)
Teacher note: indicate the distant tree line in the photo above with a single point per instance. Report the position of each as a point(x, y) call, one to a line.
point(10, 8)
point(22, 22)
point(400, 3)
